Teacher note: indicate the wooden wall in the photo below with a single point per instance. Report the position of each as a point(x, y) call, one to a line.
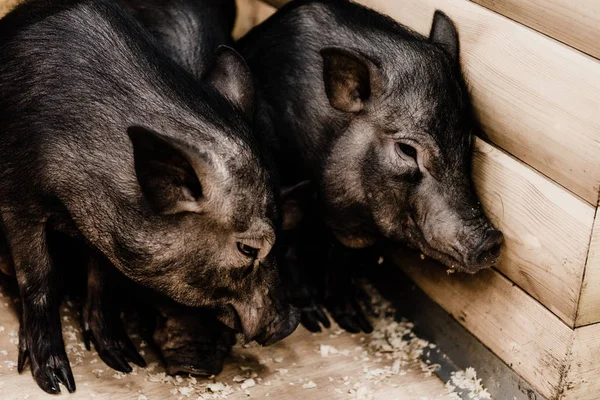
point(7, 5)
point(249, 14)
point(574, 23)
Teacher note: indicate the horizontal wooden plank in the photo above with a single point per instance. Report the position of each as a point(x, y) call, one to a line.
point(536, 98)
point(519, 330)
point(7, 5)
point(576, 23)
point(547, 229)
point(249, 14)
point(582, 381)
point(589, 304)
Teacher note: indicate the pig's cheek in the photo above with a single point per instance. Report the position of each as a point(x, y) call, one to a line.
point(385, 213)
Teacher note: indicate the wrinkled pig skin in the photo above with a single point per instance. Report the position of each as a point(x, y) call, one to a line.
point(189, 32)
point(380, 119)
point(158, 172)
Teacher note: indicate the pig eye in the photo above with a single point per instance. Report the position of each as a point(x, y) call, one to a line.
point(407, 150)
point(248, 251)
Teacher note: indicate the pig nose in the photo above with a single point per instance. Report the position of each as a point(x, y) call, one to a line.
point(488, 252)
point(286, 326)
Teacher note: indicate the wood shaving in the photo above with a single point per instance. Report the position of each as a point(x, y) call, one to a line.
point(467, 381)
point(248, 383)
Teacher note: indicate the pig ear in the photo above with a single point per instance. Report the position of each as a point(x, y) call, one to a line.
point(444, 34)
point(230, 75)
point(165, 172)
point(350, 78)
point(296, 201)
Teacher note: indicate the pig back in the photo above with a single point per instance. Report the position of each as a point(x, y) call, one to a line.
point(188, 31)
point(73, 79)
point(284, 56)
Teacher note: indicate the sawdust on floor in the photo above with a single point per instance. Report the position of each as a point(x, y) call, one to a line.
point(385, 365)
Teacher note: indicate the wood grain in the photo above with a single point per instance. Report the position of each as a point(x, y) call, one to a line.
point(7, 5)
point(525, 335)
point(576, 23)
point(582, 381)
point(536, 98)
point(547, 229)
point(589, 304)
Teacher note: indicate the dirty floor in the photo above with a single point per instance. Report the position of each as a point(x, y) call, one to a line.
point(332, 365)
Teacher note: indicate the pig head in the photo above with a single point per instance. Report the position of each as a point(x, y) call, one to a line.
point(401, 170)
point(224, 206)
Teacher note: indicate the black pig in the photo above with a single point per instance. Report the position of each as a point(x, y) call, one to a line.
point(380, 118)
point(189, 31)
point(105, 138)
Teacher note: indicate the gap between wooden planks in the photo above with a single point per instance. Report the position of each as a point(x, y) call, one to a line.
point(589, 303)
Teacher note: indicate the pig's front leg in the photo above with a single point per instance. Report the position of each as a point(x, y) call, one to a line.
point(343, 297)
point(102, 323)
point(40, 333)
point(322, 272)
point(303, 292)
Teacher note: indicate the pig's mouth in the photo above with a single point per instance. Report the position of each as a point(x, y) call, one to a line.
point(278, 328)
point(446, 259)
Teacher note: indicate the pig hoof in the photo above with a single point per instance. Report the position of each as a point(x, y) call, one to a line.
point(351, 321)
point(112, 344)
point(313, 317)
point(117, 352)
point(348, 311)
point(49, 365)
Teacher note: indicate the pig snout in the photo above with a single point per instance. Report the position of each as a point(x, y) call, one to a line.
point(280, 328)
point(486, 253)
point(462, 238)
point(264, 325)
